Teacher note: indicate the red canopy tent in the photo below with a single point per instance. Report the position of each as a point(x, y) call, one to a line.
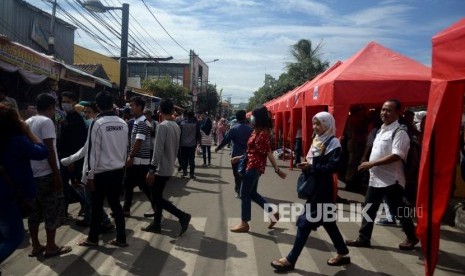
point(371, 76)
point(441, 137)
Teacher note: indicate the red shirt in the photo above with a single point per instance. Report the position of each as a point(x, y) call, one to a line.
point(258, 147)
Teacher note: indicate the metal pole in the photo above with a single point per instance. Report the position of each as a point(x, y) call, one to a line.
point(124, 51)
point(51, 38)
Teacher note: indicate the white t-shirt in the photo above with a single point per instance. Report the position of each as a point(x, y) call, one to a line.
point(43, 128)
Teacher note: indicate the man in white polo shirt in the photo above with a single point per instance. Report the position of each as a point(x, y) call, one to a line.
point(387, 178)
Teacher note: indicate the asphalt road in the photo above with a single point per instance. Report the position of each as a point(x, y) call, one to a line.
point(209, 248)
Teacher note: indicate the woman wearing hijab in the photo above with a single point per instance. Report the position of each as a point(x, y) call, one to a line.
point(323, 160)
point(258, 150)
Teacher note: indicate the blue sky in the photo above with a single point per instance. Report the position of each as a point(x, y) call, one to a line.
point(252, 38)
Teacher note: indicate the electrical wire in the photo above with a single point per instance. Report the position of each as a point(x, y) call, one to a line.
point(143, 1)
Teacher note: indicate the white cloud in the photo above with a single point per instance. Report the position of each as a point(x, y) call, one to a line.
point(251, 38)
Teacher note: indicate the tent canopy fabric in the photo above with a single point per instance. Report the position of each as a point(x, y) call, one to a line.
point(441, 137)
point(448, 57)
point(371, 76)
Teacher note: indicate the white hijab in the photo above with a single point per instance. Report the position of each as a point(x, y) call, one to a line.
point(329, 125)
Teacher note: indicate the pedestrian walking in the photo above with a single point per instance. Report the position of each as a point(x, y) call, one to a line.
point(387, 177)
point(162, 167)
point(258, 150)
point(107, 142)
point(239, 135)
point(322, 162)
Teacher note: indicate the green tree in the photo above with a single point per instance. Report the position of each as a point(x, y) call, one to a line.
point(165, 88)
point(208, 101)
point(308, 64)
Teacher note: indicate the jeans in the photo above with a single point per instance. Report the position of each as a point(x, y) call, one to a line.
point(155, 194)
point(237, 178)
point(207, 150)
point(135, 176)
point(393, 197)
point(302, 236)
point(11, 229)
point(249, 192)
point(188, 156)
point(107, 184)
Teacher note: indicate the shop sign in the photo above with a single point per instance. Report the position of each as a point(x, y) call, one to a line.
point(27, 59)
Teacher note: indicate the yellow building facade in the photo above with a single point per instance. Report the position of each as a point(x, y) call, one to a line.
point(86, 56)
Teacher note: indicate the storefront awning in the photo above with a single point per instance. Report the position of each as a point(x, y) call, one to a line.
point(71, 73)
point(29, 77)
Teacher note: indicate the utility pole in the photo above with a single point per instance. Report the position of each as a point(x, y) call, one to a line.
point(51, 38)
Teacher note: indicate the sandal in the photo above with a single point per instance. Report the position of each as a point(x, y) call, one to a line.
point(61, 250)
point(338, 261)
point(86, 242)
point(37, 253)
point(117, 243)
point(281, 266)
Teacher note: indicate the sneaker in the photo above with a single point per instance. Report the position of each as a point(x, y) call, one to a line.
point(179, 169)
point(408, 244)
point(204, 165)
point(184, 175)
point(387, 222)
point(184, 221)
point(192, 176)
point(152, 227)
point(358, 243)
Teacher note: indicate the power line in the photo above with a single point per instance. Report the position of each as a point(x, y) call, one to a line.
point(143, 1)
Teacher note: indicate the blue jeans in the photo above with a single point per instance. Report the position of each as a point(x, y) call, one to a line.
point(11, 229)
point(249, 192)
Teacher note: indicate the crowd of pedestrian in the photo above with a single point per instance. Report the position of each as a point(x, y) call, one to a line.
point(92, 153)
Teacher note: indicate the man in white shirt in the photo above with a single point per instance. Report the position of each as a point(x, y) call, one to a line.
point(387, 178)
point(50, 204)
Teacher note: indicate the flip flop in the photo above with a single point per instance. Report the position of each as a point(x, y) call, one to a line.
point(38, 253)
point(117, 243)
point(86, 242)
point(338, 262)
point(61, 250)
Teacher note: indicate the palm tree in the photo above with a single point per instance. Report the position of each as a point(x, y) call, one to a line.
point(308, 62)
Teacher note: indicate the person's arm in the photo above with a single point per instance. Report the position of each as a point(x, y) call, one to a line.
point(275, 165)
point(226, 139)
point(400, 146)
point(80, 154)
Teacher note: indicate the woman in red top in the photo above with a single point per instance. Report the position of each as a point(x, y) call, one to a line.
point(258, 149)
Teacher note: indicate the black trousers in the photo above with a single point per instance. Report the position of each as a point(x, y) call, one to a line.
point(188, 157)
point(393, 195)
point(135, 176)
point(155, 194)
point(107, 184)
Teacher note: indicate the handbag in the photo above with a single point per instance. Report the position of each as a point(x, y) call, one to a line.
point(306, 185)
point(25, 205)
